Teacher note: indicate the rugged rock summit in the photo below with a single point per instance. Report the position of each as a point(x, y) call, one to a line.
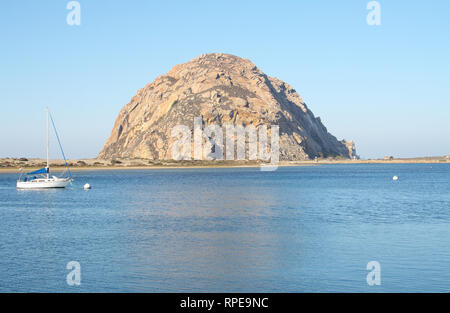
point(222, 89)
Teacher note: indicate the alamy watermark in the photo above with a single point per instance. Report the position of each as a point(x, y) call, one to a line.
point(74, 276)
point(374, 276)
point(74, 16)
point(374, 16)
point(208, 143)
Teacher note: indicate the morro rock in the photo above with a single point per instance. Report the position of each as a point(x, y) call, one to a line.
point(221, 89)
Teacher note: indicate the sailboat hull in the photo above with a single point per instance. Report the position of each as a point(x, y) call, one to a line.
point(40, 179)
point(44, 183)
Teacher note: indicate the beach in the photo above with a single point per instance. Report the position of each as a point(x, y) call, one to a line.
point(12, 165)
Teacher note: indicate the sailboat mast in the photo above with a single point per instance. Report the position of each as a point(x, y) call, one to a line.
point(47, 144)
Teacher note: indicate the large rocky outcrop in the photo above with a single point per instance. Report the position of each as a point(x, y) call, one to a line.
point(222, 89)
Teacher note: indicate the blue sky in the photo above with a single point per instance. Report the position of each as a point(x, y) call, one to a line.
point(386, 87)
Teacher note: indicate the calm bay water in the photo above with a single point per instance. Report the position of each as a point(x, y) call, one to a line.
point(231, 230)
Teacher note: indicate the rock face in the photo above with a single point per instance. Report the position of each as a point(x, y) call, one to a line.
point(222, 89)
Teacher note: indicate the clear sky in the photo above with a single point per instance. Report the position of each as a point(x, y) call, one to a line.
point(387, 87)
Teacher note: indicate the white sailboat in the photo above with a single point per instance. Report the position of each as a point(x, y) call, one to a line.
point(41, 178)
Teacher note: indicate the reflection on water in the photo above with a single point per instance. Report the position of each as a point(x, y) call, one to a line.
point(295, 229)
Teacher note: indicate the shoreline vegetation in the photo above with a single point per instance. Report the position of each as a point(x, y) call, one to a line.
point(12, 165)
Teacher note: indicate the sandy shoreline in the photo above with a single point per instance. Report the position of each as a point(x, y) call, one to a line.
point(93, 164)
